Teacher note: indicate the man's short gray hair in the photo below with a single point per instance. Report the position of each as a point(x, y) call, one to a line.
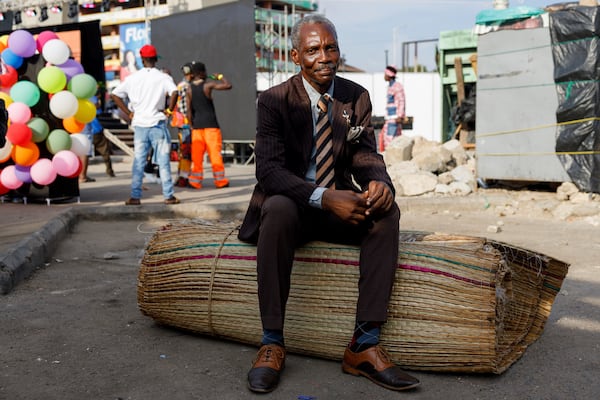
point(310, 19)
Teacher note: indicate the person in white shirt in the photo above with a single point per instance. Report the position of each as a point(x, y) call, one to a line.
point(147, 91)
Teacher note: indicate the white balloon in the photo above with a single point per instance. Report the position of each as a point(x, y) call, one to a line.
point(63, 104)
point(80, 144)
point(56, 51)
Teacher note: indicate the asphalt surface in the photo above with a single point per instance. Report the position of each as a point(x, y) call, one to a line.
point(71, 328)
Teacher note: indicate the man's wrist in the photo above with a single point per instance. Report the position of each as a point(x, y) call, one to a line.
point(316, 198)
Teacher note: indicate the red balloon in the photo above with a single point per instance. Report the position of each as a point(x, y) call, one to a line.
point(3, 189)
point(18, 133)
point(10, 77)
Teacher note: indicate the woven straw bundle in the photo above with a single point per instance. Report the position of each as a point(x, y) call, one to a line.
point(461, 304)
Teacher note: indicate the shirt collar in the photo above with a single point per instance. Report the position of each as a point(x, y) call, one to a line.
point(313, 95)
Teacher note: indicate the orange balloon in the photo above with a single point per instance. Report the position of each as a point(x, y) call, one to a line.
point(26, 154)
point(72, 125)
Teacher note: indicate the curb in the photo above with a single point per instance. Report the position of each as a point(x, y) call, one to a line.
point(33, 251)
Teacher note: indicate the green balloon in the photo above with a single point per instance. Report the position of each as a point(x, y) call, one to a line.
point(58, 140)
point(51, 79)
point(83, 86)
point(25, 92)
point(39, 129)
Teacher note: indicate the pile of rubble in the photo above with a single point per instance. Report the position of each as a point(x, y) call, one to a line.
point(419, 167)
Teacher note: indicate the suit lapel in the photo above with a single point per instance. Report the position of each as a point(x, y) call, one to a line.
point(341, 114)
point(301, 117)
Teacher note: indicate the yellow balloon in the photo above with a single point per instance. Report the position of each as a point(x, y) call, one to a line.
point(4, 39)
point(86, 111)
point(7, 99)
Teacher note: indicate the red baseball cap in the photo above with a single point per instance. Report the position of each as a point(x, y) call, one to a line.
point(148, 51)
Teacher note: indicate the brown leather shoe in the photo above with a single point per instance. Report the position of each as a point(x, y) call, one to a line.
point(172, 200)
point(133, 202)
point(263, 377)
point(375, 364)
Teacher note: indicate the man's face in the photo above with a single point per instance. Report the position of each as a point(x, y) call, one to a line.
point(318, 55)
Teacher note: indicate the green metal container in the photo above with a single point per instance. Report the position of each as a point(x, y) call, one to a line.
point(460, 44)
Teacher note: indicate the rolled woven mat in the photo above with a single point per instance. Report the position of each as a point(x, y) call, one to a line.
point(460, 304)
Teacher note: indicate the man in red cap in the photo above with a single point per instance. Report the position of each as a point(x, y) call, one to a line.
point(147, 91)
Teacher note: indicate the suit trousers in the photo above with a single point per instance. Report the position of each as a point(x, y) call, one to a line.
point(284, 226)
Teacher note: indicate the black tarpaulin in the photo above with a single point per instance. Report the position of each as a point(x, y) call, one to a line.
point(575, 34)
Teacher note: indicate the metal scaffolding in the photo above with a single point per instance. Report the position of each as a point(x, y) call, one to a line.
point(273, 43)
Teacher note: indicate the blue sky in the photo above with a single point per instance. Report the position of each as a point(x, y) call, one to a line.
point(367, 28)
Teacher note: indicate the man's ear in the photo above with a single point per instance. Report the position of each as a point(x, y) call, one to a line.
point(295, 56)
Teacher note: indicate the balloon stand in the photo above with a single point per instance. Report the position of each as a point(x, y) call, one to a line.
point(5, 199)
point(48, 200)
point(60, 191)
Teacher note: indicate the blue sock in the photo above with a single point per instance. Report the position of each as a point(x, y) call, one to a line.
point(273, 336)
point(366, 334)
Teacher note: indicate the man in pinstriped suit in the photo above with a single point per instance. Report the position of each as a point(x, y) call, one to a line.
point(288, 208)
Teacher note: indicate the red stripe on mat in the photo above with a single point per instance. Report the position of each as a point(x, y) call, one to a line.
point(333, 261)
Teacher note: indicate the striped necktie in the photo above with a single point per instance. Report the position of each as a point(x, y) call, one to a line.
point(324, 155)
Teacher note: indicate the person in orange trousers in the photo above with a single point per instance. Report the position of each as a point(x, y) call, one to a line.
point(206, 133)
point(207, 140)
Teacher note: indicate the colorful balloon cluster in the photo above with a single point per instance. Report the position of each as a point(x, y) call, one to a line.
point(69, 89)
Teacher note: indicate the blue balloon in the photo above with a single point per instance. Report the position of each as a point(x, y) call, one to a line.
point(23, 173)
point(10, 58)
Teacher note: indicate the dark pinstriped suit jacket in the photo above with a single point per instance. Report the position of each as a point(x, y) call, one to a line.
point(284, 141)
